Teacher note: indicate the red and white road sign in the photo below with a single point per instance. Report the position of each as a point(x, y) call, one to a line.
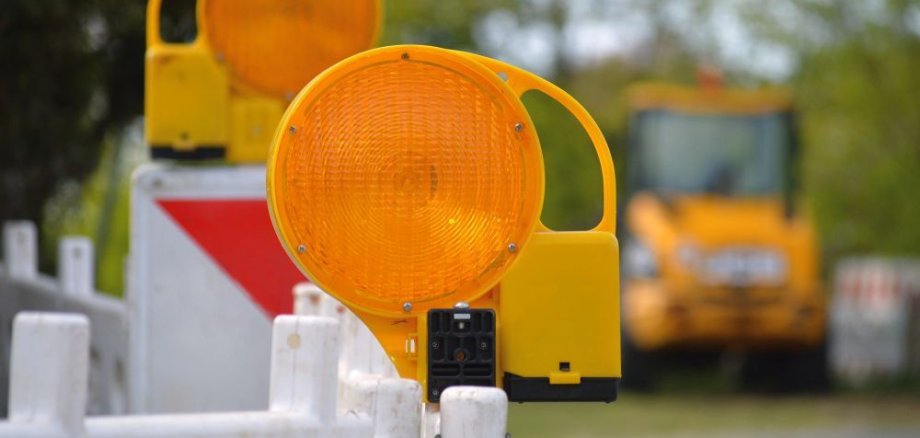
point(207, 275)
point(238, 235)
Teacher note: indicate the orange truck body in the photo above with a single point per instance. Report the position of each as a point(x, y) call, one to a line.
point(692, 237)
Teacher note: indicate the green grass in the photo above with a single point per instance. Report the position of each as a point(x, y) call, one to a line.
point(636, 415)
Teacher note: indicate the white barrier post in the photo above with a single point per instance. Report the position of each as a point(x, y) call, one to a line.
point(49, 380)
point(362, 353)
point(50, 367)
point(310, 300)
point(304, 365)
point(302, 396)
point(20, 249)
point(473, 411)
point(48, 375)
point(75, 265)
point(431, 420)
point(392, 403)
point(307, 297)
point(368, 381)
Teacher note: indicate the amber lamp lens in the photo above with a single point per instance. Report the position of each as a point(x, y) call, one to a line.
point(406, 176)
point(277, 46)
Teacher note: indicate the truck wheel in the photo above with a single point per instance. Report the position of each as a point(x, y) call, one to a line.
point(638, 366)
point(787, 372)
point(807, 370)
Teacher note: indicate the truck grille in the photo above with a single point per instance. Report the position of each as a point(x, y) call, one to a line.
point(744, 267)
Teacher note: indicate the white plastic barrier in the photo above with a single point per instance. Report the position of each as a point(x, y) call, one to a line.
point(361, 354)
point(203, 251)
point(478, 411)
point(875, 318)
point(50, 365)
point(22, 287)
point(392, 403)
point(49, 375)
point(20, 250)
point(369, 384)
point(75, 266)
point(364, 369)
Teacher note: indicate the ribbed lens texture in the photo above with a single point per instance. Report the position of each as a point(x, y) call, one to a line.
point(406, 182)
point(277, 46)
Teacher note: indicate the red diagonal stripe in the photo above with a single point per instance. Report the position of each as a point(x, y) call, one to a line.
point(239, 236)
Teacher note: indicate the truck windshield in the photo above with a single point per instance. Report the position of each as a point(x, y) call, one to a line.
point(731, 155)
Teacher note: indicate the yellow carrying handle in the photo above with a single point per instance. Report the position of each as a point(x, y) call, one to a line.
point(153, 23)
point(522, 81)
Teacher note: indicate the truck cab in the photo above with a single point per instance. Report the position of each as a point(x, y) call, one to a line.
point(716, 255)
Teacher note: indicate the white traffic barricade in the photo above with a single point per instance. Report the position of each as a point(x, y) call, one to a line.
point(207, 275)
point(364, 369)
point(49, 372)
point(361, 354)
point(875, 319)
point(23, 288)
point(478, 411)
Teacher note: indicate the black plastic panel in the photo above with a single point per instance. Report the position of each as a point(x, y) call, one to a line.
point(461, 349)
point(538, 389)
point(199, 153)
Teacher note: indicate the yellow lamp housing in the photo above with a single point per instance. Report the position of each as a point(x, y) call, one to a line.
point(407, 182)
point(221, 96)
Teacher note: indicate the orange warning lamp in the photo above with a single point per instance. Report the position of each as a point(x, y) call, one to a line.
point(401, 183)
point(221, 95)
point(407, 182)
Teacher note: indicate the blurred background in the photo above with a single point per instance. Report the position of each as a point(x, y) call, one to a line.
point(71, 129)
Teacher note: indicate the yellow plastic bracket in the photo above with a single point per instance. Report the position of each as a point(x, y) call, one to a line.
point(186, 91)
point(560, 301)
point(521, 81)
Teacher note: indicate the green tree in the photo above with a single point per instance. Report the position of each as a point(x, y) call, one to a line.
point(73, 77)
point(857, 83)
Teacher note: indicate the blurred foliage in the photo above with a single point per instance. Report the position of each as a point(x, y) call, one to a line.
point(72, 79)
point(100, 207)
point(857, 85)
point(570, 162)
point(448, 24)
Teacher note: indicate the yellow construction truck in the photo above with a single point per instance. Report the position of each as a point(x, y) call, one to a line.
point(717, 255)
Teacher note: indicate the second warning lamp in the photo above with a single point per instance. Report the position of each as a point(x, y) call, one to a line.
point(221, 95)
